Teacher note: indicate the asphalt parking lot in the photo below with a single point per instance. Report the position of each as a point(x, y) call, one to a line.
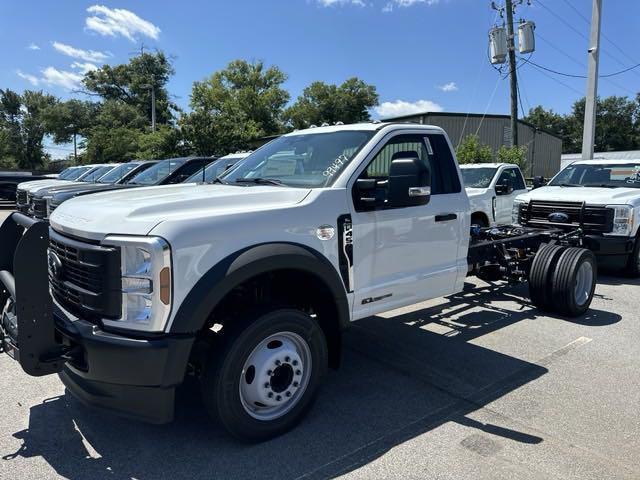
point(478, 385)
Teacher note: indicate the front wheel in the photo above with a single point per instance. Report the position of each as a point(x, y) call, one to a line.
point(262, 379)
point(633, 265)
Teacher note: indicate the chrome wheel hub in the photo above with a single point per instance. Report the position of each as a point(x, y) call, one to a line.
point(275, 376)
point(584, 281)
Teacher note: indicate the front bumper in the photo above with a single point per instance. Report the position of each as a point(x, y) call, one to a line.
point(134, 377)
point(611, 251)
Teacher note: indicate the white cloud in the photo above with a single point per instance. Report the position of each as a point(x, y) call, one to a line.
point(331, 3)
point(410, 3)
point(61, 78)
point(87, 55)
point(449, 87)
point(33, 46)
point(113, 22)
point(388, 7)
point(32, 79)
point(84, 67)
point(402, 107)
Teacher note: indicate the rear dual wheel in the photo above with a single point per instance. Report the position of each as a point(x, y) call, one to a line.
point(563, 279)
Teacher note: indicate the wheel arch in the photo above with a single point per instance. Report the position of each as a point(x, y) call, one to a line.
point(250, 263)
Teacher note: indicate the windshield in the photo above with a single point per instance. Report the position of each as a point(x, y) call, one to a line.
point(478, 177)
point(65, 173)
point(306, 160)
point(117, 173)
point(77, 173)
point(157, 173)
point(96, 173)
point(213, 171)
point(592, 175)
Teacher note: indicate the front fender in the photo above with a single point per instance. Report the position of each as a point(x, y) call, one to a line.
point(239, 267)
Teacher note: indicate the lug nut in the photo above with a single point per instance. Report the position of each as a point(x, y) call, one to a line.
point(270, 394)
point(295, 384)
point(295, 363)
point(298, 372)
point(269, 372)
point(287, 359)
point(288, 394)
point(267, 385)
point(278, 362)
point(278, 398)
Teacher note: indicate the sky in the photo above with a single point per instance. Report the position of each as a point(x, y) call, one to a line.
point(422, 55)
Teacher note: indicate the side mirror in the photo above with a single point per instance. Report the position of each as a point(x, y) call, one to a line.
point(503, 189)
point(366, 194)
point(538, 182)
point(409, 183)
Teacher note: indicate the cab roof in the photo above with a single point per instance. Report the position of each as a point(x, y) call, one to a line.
point(365, 126)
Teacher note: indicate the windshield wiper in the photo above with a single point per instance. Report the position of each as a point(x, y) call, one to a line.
point(261, 181)
point(218, 180)
point(570, 185)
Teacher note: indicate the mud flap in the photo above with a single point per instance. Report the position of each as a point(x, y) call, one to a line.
point(27, 329)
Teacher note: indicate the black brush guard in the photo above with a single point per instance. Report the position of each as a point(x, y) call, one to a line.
point(27, 326)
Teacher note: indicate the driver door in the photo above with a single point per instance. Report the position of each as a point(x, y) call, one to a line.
point(404, 255)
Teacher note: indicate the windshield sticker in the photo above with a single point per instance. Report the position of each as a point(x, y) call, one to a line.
point(336, 166)
point(280, 167)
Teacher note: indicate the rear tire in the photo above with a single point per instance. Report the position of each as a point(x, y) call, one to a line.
point(540, 276)
point(263, 377)
point(574, 282)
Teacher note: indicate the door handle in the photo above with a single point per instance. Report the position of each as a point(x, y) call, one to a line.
point(446, 217)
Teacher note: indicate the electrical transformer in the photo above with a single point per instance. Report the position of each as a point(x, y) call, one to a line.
point(526, 37)
point(498, 45)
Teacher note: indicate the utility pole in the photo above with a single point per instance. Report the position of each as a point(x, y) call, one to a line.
point(589, 132)
point(512, 73)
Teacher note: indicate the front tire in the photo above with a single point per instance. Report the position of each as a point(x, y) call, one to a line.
point(633, 265)
point(574, 281)
point(262, 379)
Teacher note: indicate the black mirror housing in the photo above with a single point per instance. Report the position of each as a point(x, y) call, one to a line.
point(503, 189)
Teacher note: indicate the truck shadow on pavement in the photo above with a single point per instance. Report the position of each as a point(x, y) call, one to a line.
point(401, 377)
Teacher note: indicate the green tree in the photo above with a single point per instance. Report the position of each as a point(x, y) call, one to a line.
point(471, 150)
point(65, 121)
point(165, 142)
point(233, 106)
point(132, 84)
point(321, 102)
point(23, 126)
point(516, 155)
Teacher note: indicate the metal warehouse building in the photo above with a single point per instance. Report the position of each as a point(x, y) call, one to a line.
point(543, 149)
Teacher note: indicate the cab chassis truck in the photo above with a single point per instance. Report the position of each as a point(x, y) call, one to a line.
point(260, 323)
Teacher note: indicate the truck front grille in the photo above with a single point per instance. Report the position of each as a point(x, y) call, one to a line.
point(21, 197)
point(39, 208)
point(592, 218)
point(84, 278)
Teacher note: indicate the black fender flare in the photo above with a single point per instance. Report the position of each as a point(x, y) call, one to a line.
point(247, 263)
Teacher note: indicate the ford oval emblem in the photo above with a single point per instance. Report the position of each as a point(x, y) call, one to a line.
point(55, 265)
point(558, 217)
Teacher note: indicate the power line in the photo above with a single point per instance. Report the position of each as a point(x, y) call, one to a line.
point(574, 29)
point(614, 44)
point(571, 75)
point(556, 80)
point(581, 64)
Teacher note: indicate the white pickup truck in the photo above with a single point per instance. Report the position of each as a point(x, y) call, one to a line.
point(492, 188)
point(248, 281)
point(602, 198)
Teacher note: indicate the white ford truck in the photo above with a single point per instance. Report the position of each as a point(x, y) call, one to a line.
point(492, 188)
point(248, 281)
point(602, 198)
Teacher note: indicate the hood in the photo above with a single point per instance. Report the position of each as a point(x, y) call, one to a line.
point(37, 184)
point(79, 189)
point(591, 195)
point(137, 211)
point(476, 192)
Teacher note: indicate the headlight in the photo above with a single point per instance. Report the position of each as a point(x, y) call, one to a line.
point(515, 211)
point(146, 282)
point(622, 220)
